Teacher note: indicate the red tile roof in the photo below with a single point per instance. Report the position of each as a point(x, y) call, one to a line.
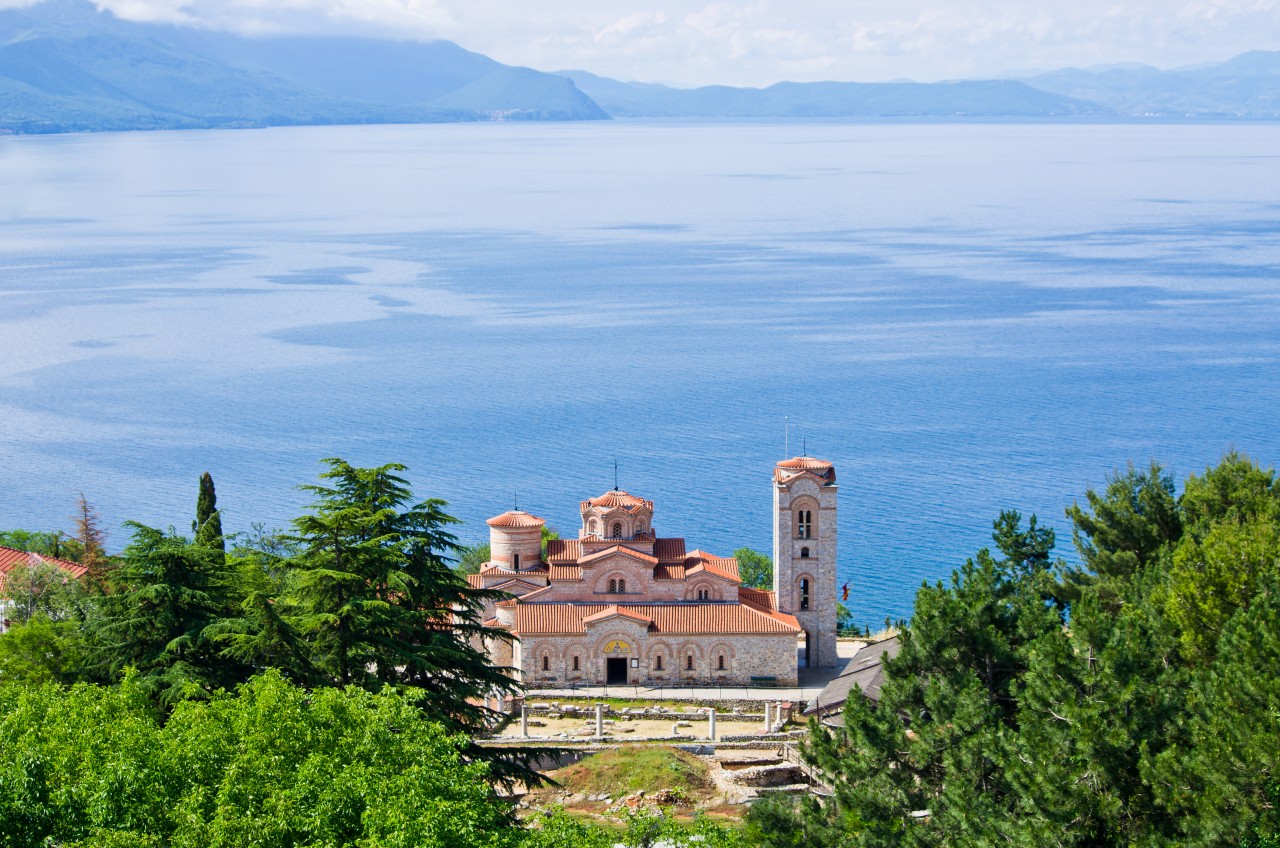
point(517, 587)
point(619, 498)
point(565, 572)
point(615, 610)
point(563, 551)
point(619, 549)
point(758, 597)
point(675, 619)
point(475, 581)
point(669, 550)
point(515, 518)
point(668, 572)
point(804, 463)
point(700, 561)
point(11, 558)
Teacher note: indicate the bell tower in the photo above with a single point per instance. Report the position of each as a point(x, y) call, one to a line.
point(804, 552)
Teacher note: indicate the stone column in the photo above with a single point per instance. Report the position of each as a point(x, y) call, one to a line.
point(768, 707)
point(711, 724)
point(599, 720)
point(524, 720)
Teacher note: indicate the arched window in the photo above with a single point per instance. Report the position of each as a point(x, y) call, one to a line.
point(804, 593)
point(515, 561)
point(622, 587)
point(576, 666)
point(593, 529)
point(657, 664)
point(804, 524)
point(720, 663)
point(613, 587)
point(617, 529)
point(804, 553)
point(546, 663)
point(703, 594)
point(688, 663)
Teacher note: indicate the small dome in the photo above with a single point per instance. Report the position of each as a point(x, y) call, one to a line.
point(804, 463)
point(515, 518)
point(617, 497)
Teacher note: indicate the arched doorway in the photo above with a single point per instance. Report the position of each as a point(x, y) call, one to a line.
point(802, 650)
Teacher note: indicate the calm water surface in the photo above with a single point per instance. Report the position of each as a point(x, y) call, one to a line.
point(963, 318)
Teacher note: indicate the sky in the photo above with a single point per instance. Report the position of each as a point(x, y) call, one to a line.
point(758, 42)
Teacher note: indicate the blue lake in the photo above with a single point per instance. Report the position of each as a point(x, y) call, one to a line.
point(962, 317)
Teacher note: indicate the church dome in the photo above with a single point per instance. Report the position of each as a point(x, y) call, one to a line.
point(804, 463)
point(619, 498)
point(515, 518)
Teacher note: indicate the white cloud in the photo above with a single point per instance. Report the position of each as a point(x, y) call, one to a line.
point(762, 41)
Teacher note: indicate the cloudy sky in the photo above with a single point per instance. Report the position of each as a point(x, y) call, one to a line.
point(755, 42)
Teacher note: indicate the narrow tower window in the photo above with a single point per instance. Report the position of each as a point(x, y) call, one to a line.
point(804, 553)
point(804, 593)
point(515, 561)
point(804, 524)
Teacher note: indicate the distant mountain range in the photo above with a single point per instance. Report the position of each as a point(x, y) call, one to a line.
point(65, 66)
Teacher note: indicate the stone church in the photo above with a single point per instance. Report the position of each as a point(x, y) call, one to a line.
point(621, 605)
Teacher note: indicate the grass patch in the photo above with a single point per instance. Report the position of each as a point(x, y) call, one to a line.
point(622, 771)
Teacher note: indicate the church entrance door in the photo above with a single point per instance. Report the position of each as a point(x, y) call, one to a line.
point(616, 670)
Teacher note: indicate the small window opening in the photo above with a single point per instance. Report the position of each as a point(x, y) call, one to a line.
point(804, 553)
point(720, 663)
point(613, 587)
point(622, 587)
point(617, 530)
point(804, 527)
point(688, 663)
point(576, 666)
point(546, 663)
point(658, 663)
point(515, 561)
point(804, 593)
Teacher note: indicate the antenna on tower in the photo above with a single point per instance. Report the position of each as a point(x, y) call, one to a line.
point(515, 501)
point(804, 450)
point(786, 438)
point(615, 475)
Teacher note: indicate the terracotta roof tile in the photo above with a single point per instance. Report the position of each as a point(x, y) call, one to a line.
point(619, 549)
point(515, 518)
point(565, 572)
point(563, 551)
point(804, 463)
point(663, 571)
point(669, 550)
point(725, 567)
point(674, 619)
point(517, 587)
point(612, 610)
point(619, 498)
point(475, 581)
point(759, 597)
point(11, 558)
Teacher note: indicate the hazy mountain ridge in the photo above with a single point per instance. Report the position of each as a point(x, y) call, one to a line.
point(1247, 86)
point(65, 66)
point(977, 98)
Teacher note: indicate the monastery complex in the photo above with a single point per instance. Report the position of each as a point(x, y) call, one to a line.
point(620, 605)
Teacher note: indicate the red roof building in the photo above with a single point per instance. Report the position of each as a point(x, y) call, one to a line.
point(619, 604)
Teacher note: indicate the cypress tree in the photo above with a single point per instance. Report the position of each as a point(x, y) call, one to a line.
point(208, 523)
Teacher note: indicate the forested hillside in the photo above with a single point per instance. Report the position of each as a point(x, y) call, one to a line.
point(1135, 701)
point(303, 687)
